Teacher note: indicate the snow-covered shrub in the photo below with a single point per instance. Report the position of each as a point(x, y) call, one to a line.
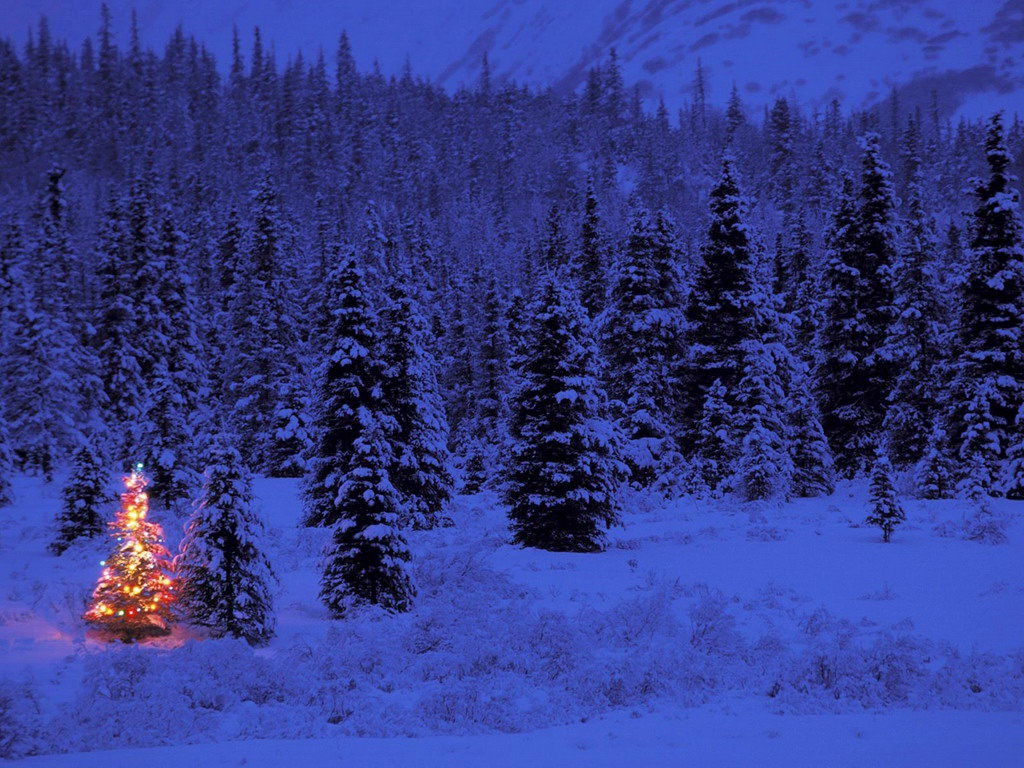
point(713, 627)
point(18, 715)
point(985, 526)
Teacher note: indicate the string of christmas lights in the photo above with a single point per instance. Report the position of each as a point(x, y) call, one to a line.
point(136, 589)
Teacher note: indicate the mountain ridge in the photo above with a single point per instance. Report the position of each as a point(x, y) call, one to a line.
point(857, 51)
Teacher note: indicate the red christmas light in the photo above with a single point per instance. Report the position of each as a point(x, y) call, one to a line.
point(135, 590)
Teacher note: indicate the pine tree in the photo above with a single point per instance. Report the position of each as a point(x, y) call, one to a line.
point(794, 282)
point(855, 372)
point(348, 380)
point(734, 114)
point(782, 171)
point(718, 315)
point(222, 567)
point(116, 329)
point(135, 591)
point(366, 559)
point(934, 476)
point(84, 496)
point(177, 378)
point(716, 446)
point(563, 470)
point(1013, 472)
point(13, 257)
point(41, 396)
point(764, 467)
point(886, 510)
point(288, 451)
point(420, 472)
point(490, 432)
point(637, 358)
point(991, 361)
point(591, 268)
point(917, 334)
point(265, 328)
point(812, 458)
point(980, 443)
point(6, 464)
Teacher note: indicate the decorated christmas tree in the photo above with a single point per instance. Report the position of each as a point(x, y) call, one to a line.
point(134, 594)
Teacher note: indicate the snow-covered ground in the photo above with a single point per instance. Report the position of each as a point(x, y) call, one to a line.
point(707, 634)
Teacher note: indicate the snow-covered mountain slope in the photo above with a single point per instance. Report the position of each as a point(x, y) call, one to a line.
point(853, 49)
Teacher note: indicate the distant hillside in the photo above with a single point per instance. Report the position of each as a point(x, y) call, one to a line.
point(856, 50)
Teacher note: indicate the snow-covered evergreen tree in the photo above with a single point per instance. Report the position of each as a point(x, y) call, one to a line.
point(562, 475)
point(1013, 471)
point(637, 358)
point(764, 468)
point(288, 451)
point(886, 511)
point(84, 500)
point(41, 396)
point(348, 380)
point(934, 475)
point(854, 368)
point(591, 268)
point(177, 379)
point(490, 432)
point(716, 446)
point(223, 568)
point(420, 472)
point(6, 464)
point(366, 561)
point(117, 321)
point(265, 325)
point(719, 315)
point(991, 363)
point(981, 441)
point(811, 455)
point(917, 335)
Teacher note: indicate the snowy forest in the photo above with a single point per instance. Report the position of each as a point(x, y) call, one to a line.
point(399, 297)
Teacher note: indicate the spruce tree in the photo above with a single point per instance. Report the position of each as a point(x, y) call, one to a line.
point(591, 269)
point(420, 473)
point(288, 451)
point(637, 357)
point(1013, 471)
point(854, 367)
point(366, 561)
point(348, 379)
point(266, 333)
point(562, 474)
point(116, 327)
point(917, 335)
point(764, 468)
point(716, 447)
point(41, 395)
point(934, 476)
point(6, 463)
point(490, 431)
point(885, 509)
point(84, 500)
point(718, 314)
point(223, 569)
point(177, 378)
point(812, 458)
point(991, 362)
point(980, 443)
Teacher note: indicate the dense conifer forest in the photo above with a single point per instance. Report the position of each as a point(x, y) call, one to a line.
point(397, 292)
